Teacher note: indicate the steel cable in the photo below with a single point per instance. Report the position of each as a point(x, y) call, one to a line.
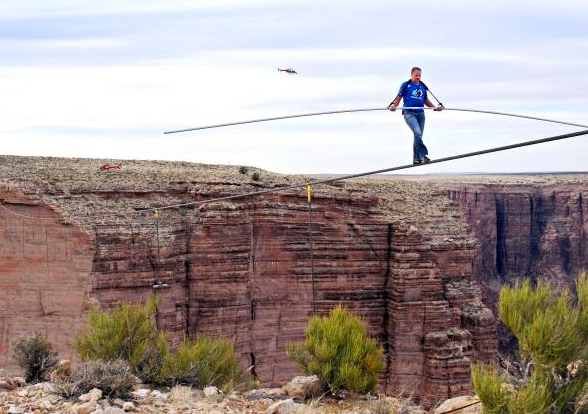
point(364, 174)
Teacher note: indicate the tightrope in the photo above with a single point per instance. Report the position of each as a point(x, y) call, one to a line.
point(364, 174)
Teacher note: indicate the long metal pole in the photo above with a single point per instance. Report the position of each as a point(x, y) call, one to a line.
point(516, 116)
point(275, 118)
point(344, 111)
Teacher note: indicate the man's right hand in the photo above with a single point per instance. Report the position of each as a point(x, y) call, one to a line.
point(392, 107)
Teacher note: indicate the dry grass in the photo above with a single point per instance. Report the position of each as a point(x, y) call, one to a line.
point(181, 394)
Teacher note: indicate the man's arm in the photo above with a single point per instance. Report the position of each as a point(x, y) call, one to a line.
point(394, 103)
point(430, 104)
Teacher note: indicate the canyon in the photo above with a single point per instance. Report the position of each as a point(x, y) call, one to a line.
point(420, 259)
point(531, 227)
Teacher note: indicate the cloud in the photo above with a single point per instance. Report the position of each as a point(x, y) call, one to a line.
point(107, 78)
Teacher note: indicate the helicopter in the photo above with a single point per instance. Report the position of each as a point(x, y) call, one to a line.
point(288, 70)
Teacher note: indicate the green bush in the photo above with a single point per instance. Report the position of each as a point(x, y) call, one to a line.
point(552, 333)
point(114, 378)
point(128, 332)
point(203, 362)
point(490, 386)
point(243, 169)
point(340, 352)
point(34, 354)
point(256, 176)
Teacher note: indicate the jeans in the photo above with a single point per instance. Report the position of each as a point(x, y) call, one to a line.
point(416, 122)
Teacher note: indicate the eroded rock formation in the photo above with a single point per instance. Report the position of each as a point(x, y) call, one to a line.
point(253, 269)
point(537, 230)
point(527, 226)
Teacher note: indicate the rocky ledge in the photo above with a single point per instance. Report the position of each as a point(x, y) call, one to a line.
point(19, 398)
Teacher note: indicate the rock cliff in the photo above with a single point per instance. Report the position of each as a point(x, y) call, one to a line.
point(527, 226)
point(397, 252)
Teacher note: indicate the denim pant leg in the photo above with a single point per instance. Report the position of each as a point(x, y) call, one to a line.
point(416, 122)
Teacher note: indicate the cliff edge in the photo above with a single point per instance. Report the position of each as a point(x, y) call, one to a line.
point(254, 269)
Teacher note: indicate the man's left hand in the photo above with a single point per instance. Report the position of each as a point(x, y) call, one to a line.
point(439, 108)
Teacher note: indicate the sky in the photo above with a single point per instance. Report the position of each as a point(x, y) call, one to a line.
point(106, 78)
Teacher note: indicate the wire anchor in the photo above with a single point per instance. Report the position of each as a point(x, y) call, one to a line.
point(311, 241)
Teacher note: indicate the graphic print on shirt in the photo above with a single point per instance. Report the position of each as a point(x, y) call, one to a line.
point(414, 95)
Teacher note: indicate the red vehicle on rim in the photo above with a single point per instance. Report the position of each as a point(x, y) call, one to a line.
point(105, 167)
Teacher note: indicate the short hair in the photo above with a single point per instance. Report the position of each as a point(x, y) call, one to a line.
point(415, 68)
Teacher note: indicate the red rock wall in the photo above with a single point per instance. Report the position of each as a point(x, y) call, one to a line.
point(527, 231)
point(246, 271)
point(432, 302)
point(537, 232)
point(45, 274)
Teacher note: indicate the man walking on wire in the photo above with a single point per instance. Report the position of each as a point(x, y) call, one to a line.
point(413, 92)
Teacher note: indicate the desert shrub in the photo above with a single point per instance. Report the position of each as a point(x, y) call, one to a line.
point(114, 378)
point(128, 332)
point(490, 386)
point(552, 333)
point(35, 355)
point(243, 169)
point(205, 361)
point(256, 176)
point(340, 352)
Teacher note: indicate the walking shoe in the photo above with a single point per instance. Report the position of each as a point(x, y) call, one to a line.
point(426, 160)
point(417, 162)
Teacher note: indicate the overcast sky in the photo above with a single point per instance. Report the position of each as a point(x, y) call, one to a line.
point(105, 78)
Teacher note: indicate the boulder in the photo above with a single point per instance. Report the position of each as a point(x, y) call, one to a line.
point(471, 405)
point(302, 387)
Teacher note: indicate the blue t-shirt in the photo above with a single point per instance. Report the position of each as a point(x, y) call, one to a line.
point(414, 95)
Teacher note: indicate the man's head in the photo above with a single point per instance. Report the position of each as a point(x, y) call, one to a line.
point(415, 74)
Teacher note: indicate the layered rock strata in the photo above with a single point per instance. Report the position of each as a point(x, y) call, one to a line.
point(537, 230)
point(528, 227)
point(253, 268)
